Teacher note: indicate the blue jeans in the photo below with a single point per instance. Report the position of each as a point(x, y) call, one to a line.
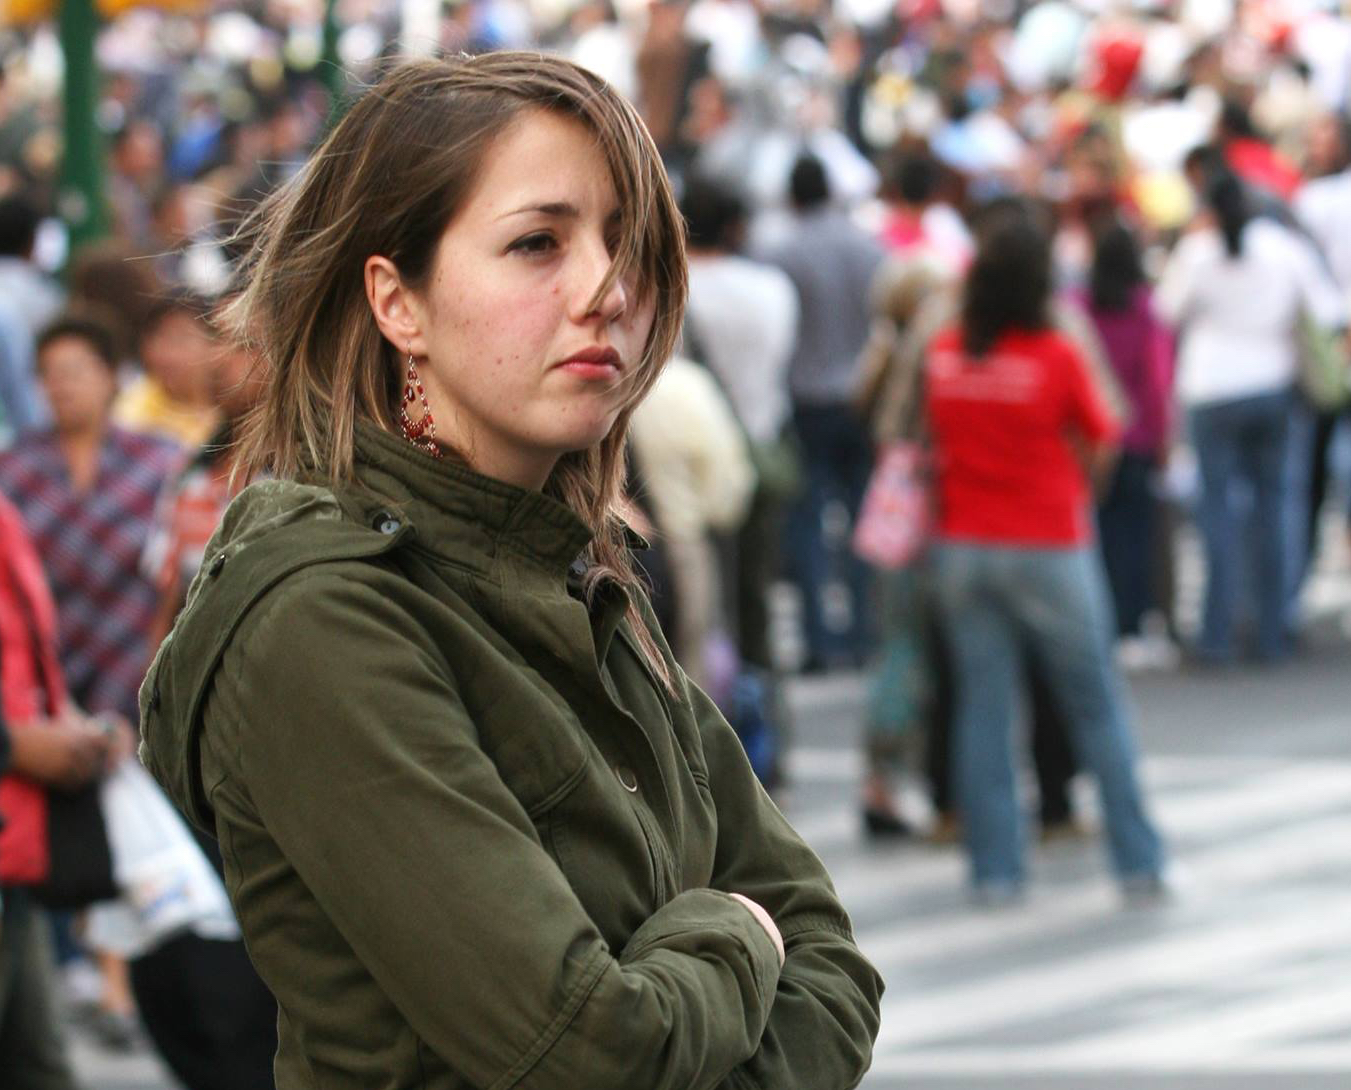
point(1126, 535)
point(1243, 445)
point(837, 457)
point(1055, 603)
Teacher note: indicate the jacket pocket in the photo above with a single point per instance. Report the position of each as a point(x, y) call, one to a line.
point(535, 744)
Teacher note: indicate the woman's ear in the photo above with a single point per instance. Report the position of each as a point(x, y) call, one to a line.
point(397, 310)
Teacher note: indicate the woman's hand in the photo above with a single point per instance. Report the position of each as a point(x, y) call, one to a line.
point(765, 920)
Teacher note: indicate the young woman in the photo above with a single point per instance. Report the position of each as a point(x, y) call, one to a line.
point(478, 828)
point(1140, 350)
point(1237, 287)
point(1018, 427)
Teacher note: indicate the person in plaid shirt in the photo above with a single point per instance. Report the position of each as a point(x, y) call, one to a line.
point(87, 491)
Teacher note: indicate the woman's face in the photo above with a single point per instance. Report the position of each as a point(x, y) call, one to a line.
point(79, 385)
point(178, 353)
point(518, 366)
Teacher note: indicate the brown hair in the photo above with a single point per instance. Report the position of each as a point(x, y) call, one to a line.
point(388, 180)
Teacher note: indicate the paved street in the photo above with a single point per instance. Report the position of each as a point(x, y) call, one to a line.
point(1243, 982)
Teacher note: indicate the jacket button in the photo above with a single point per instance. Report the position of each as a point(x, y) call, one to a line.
point(387, 523)
point(216, 565)
point(627, 779)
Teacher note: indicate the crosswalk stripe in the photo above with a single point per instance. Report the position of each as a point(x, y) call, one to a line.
point(1225, 873)
point(1254, 793)
point(1305, 1008)
point(864, 880)
point(1051, 1059)
point(1225, 949)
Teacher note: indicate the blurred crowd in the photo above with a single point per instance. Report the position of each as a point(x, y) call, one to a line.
point(1091, 260)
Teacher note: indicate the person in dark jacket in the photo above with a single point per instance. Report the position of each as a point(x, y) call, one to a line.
point(478, 827)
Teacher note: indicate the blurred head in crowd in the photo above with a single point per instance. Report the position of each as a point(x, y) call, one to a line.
point(18, 226)
point(178, 349)
point(1092, 169)
point(715, 215)
point(108, 276)
point(77, 366)
point(370, 219)
point(1201, 165)
point(238, 374)
point(1009, 283)
point(137, 152)
point(913, 179)
point(808, 184)
point(1228, 200)
point(1118, 271)
point(1328, 150)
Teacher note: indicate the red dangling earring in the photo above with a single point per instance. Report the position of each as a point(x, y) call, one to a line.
point(421, 433)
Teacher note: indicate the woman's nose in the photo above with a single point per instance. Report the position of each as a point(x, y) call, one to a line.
point(614, 300)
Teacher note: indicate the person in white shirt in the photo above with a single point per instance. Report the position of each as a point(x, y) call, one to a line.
point(1237, 287)
point(696, 473)
point(1323, 208)
point(741, 323)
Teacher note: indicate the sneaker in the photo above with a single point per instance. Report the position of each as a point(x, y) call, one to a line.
point(994, 895)
point(1071, 830)
point(1142, 654)
point(885, 825)
point(1147, 890)
point(945, 831)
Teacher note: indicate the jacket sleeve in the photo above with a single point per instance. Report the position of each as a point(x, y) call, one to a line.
point(826, 1011)
point(365, 768)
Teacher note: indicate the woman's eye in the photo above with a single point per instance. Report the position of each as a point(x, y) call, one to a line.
point(533, 244)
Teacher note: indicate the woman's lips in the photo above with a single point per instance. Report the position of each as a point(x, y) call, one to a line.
point(593, 363)
point(586, 369)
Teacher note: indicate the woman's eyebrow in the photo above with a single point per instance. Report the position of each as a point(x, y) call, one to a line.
point(549, 208)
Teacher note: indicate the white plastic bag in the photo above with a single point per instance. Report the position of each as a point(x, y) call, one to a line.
point(167, 884)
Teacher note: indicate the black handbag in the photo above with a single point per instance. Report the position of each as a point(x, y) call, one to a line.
point(81, 870)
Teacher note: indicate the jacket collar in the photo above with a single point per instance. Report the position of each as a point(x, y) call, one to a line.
point(469, 518)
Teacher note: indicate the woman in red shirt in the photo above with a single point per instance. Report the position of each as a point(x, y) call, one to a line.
point(1018, 429)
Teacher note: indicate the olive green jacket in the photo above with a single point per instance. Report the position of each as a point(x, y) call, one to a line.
point(471, 840)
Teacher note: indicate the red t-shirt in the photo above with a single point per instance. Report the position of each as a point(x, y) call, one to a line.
point(1004, 428)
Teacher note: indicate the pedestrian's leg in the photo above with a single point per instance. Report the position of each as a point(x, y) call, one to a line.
point(1275, 509)
point(1051, 752)
point(209, 1015)
point(985, 660)
point(1114, 538)
point(757, 557)
point(1325, 427)
point(856, 464)
point(1126, 530)
point(896, 700)
point(1163, 566)
point(1295, 420)
point(941, 711)
point(1217, 452)
point(32, 1050)
point(1065, 609)
point(808, 559)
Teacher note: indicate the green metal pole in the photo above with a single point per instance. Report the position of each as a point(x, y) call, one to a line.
point(330, 65)
point(81, 202)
